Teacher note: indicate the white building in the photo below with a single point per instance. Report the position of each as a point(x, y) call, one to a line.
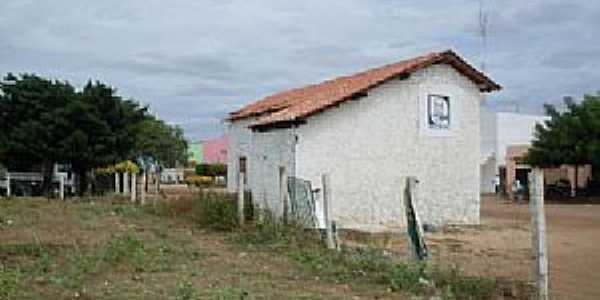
point(499, 131)
point(368, 132)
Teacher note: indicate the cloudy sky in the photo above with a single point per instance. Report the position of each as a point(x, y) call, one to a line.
point(193, 61)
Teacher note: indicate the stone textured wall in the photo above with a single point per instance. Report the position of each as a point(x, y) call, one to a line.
point(369, 146)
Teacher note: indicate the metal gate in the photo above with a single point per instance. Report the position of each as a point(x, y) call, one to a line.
point(302, 202)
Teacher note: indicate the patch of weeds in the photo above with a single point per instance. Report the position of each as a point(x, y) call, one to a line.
point(162, 258)
point(80, 265)
point(407, 277)
point(119, 248)
point(368, 264)
point(25, 249)
point(185, 290)
point(197, 255)
point(43, 262)
point(217, 211)
point(228, 293)
point(455, 285)
point(9, 281)
point(127, 210)
point(272, 234)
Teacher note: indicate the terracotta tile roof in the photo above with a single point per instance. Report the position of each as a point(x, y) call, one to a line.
point(297, 104)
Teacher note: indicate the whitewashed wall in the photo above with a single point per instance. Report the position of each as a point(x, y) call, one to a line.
point(265, 152)
point(369, 146)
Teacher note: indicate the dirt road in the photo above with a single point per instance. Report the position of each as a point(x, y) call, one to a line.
point(573, 244)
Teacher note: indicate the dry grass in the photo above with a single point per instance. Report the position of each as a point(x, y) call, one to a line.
point(110, 249)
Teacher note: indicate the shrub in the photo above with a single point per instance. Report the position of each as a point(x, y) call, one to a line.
point(216, 211)
point(199, 180)
point(212, 170)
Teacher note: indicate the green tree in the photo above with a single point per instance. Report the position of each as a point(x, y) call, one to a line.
point(164, 143)
point(104, 129)
point(43, 122)
point(571, 137)
point(31, 115)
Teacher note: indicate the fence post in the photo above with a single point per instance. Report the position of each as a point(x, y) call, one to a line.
point(241, 191)
point(8, 184)
point(283, 192)
point(143, 189)
point(61, 187)
point(117, 183)
point(414, 227)
point(133, 187)
point(126, 183)
point(326, 211)
point(538, 236)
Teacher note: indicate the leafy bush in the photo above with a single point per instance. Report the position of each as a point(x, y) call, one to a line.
point(205, 169)
point(216, 211)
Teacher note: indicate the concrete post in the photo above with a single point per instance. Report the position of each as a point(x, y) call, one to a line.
point(133, 187)
point(241, 191)
point(117, 183)
point(326, 211)
point(126, 183)
point(61, 187)
point(143, 190)
point(8, 191)
point(538, 236)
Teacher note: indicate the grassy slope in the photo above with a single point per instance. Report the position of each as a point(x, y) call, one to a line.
point(111, 249)
point(99, 250)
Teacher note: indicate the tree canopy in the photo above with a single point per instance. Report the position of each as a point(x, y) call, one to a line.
point(569, 137)
point(43, 122)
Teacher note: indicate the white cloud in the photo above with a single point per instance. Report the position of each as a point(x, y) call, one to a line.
point(195, 60)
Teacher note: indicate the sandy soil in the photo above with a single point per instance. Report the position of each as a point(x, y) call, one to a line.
point(500, 246)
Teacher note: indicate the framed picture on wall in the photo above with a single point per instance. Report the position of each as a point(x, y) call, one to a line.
point(438, 112)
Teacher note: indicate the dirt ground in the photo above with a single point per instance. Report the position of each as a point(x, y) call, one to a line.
point(501, 246)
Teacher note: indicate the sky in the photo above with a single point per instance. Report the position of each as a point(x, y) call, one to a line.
point(194, 61)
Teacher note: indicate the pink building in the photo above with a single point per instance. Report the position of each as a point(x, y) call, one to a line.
point(215, 150)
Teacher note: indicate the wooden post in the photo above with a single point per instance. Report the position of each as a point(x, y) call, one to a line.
point(414, 227)
point(326, 211)
point(133, 187)
point(117, 183)
point(283, 193)
point(241, 191)
point(61, 187)
point(126, 183)
point(8, 184)
point(538, 236)
point(143, 190)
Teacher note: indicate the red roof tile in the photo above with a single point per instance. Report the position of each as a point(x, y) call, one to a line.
point(297, 104)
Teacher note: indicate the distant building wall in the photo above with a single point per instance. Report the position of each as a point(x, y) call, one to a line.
point(500, 131)
point(215, 151)
point(195, 152)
